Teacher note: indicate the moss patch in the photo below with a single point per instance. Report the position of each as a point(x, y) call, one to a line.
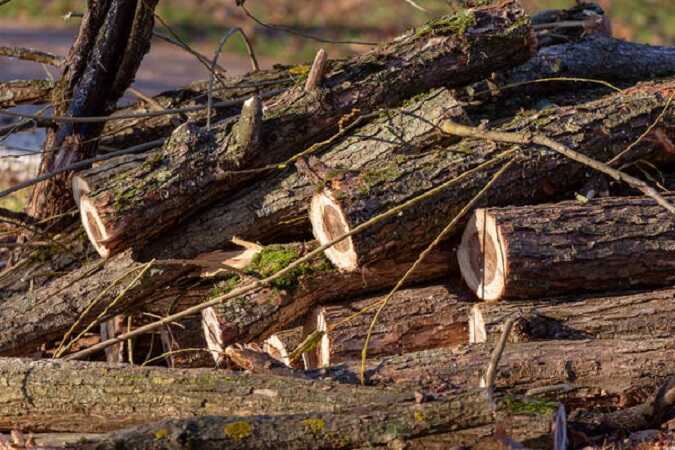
point(238, 430)
point(456, 24)
point(530, 406)
point(314, 425)
point(224, 287)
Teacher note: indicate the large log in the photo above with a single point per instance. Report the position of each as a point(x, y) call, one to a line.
point(276, 208)
point(256, 316)
point(52, 395)
point(131, 206)
point(78, 299)
point(413, 319)
point(552, 249)
point(583, 374)
point(643, 314)
point(467, 419)
point(114, 36)
point(599, 129)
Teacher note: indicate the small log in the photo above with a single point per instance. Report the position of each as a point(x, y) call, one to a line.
point(280, 345)
point(583, 374)
point(643, 314)
point(53, 395)
point(18, 92)
point(258, 315)
point(552, 249)
point(599, 129)
point(414, 319)
point(195, 168)
point(467, 418)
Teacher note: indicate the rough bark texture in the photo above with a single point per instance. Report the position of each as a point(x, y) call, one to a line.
point(114, 36)
point(581, 373)
point(599, 129)
point(414, 319)
point(467, 415)
point(258, 315)
point(276, 208)
point(31, 319)
point(177, 180)
point(92, 397)
point(127, 132)
point(552, 249)
point(643, 314)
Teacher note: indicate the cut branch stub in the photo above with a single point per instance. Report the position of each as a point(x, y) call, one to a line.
point(317, 71)
point(554, 249)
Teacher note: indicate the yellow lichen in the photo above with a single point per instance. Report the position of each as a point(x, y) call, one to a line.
point(162, 433)
point(315, 425)
point(419, 416)
point(238, 430)
point(300, 71)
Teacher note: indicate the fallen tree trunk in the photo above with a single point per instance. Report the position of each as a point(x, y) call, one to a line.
point(83, 297)
point(128, 207)
point(644, 314)
point(114, 36)
point(599, 129)
point(467, 417)
point(552, 249)
point(257, 315)
point(583, 374)
point(50, 395)
point(413, 319)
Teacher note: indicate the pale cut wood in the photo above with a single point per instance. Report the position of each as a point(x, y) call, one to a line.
point(554, 249)
point(618, 315)
point(282, 343)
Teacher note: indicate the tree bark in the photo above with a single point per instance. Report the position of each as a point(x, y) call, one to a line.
point(280, 345)
point(52, 395)
point(260, 314)
point(583, 374)
point(29, 320)
point(640, 315)
point(177, 180)
point(552, 249)
point(414, 319)
point(599, 129)
point(114, 36)
point(18, 92)
point(468, 417)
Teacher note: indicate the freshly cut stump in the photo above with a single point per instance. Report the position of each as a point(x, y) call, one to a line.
point(280, 345)
point(553, 249)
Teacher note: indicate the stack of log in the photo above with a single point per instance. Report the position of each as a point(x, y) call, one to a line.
point(464, 237)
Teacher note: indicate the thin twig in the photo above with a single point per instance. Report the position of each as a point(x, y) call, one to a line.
point(527, 138)
point(442, 235)
point(416, 6)
point(259, 284)
point(29, 54)
point(491, 371)
point(216, 55)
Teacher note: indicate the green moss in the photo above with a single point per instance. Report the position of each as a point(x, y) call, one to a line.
point(456, 24)
point(371, 177)
point(299, 71)
point(224, 287)
point(274, 258)
point(238, 430)
point(530, 406)
point(314, 425)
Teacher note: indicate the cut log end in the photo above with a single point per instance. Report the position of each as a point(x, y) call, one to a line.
point(323, 348)
point(213, 334)
point(93, 225)
point(477, 332)
point(328, 223)
point(481, 257)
